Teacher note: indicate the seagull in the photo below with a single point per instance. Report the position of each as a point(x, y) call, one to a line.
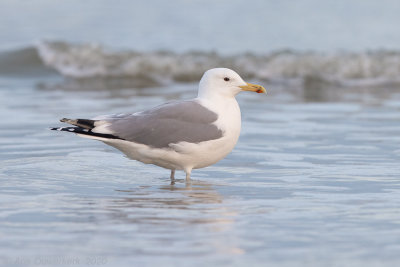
point(178, 135)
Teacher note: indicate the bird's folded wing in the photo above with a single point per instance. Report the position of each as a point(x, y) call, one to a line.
point(170, 123)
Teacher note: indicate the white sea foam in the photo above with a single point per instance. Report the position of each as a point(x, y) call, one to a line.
point(85, 61)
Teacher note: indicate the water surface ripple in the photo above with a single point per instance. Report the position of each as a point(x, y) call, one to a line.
point(309, 184)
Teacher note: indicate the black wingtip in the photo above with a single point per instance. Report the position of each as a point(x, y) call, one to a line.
point(83, 123)
point(83, 131)
point(54, 128)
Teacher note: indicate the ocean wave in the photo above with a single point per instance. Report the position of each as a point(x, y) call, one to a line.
point(23, 62)
point(86, 61)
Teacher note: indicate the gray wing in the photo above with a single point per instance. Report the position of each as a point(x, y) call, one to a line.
point(173, 122)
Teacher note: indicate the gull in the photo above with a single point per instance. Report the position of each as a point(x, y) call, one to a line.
point(179, 135)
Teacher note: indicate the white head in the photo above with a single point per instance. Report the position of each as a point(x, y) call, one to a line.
point(222, 82)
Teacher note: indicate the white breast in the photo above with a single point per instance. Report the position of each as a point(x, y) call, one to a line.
point(229, 121)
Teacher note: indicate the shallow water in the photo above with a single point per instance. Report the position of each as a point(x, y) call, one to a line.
point(309, 184)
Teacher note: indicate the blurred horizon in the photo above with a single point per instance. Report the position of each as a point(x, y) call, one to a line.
point(227, 27)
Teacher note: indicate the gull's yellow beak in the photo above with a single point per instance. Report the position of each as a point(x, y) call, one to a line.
point(254, 88)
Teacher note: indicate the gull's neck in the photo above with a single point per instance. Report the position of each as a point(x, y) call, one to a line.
point(227, 108)
point(208, 94)
point(218, 102)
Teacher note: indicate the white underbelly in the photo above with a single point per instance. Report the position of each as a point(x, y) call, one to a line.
point(179, 156)
point(211, 152)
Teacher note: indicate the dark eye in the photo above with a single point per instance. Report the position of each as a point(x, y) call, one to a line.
point(226, 79)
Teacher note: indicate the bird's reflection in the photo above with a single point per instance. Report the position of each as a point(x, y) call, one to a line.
point(155, 205)
point(172, 212)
